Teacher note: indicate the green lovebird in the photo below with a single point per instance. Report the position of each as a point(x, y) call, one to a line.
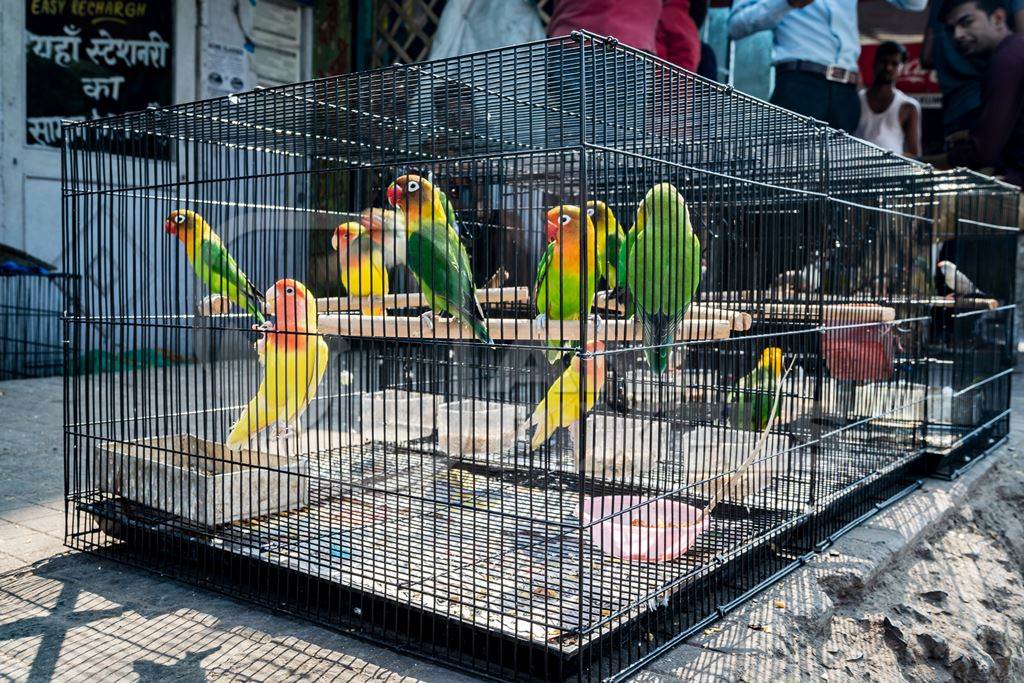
point(435, 254)
point(560, 273)
point(752, 401)
point(660, 264)
point(610, 238)
point(212, 262)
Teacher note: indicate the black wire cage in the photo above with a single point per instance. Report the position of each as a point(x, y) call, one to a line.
point(531, 361)
point(31, 326)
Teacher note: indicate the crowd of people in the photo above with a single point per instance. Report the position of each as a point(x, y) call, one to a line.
point(972, 45)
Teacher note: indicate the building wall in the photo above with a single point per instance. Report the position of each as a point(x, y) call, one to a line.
point(30, 194)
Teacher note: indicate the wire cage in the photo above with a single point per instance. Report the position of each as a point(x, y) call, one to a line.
point(531, 361)
point(972, 346)
point(31, 328)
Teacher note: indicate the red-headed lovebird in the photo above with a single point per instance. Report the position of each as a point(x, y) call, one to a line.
point(435, 254)
point(212, 262)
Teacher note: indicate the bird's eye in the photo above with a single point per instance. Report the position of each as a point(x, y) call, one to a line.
point(180, 218)
point(289, 291)
point(590, 212)
point(565, 219)
point(412, 186)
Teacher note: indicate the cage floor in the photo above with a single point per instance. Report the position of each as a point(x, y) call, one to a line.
point(488, 549)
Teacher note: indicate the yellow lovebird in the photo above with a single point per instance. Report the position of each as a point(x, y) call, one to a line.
point(752, 402)
point(294, 363)
point(361, 261)
point(567, 400)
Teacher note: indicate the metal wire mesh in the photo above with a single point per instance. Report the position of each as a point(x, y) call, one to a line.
point(31, 334)
point(633, 453)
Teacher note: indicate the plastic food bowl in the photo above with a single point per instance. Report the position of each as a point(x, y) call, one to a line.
point(658, 531)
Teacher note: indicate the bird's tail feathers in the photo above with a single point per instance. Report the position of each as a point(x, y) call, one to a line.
point(252, 421)
point(659, 333)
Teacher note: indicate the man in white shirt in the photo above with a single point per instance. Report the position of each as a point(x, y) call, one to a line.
point(815, 48)
point(889, 117)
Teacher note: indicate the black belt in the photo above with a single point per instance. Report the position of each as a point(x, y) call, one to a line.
point(830, 73)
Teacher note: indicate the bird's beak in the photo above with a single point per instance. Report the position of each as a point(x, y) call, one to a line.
point(940, 264)
point(552, 229)
point(394, 195)
point(270, 300)
point(169, 227)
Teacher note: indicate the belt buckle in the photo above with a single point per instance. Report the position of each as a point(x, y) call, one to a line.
point(835, 73)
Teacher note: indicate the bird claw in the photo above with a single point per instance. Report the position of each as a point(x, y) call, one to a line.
point(540, 322)
point(427, 320)
point(599, 324)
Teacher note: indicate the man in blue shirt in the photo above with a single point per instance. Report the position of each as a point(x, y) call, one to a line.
point(816, 46)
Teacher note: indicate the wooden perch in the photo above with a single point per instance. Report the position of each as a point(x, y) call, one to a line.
point(739, 320)
point(828, 313)
point(964, 302)
point(215, 304)
point(488, 295)
point(507, 329)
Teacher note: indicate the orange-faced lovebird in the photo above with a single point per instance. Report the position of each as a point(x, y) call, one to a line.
point(295, 359)
point(361, 264)
point(559, 286)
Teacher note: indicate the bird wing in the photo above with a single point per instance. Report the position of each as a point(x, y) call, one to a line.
point(440, 262)
point(539, 290)
point(222, 273)
point(964, 285)
point(449, 212)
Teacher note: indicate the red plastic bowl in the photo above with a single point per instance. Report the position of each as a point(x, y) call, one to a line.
point(658, 531)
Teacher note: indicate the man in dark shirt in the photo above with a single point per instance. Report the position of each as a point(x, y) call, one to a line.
point(996, 139)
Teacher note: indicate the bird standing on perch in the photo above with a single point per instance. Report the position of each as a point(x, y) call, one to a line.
point(436, 255)
point(752, 401)
point(567, 400)
point(958, 283)
point(212, 262)
point(294, 362)
point(562, 269)
point(610, 238)
point(361, 263)
point(660, 263)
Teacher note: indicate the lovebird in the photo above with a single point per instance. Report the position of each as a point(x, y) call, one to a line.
point(361, 263)
point(561, 271)
point(752, 400)
point(212, 262)
point(660, 263)
point(566, 400)
point(610, 238)
point(386, 228)
point(435, 254)
point(294, 363)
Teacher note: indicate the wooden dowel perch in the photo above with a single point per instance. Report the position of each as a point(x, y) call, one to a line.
point(964, 302)
point(507, 329)
point(829, 313)
point(488, 295)
point(739, 320)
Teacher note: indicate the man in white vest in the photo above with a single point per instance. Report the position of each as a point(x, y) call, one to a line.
point(889, 117)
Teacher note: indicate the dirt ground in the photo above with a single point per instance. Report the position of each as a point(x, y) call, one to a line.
point(952, 608)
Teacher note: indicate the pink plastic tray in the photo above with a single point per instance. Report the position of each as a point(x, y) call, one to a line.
point(659, 531)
